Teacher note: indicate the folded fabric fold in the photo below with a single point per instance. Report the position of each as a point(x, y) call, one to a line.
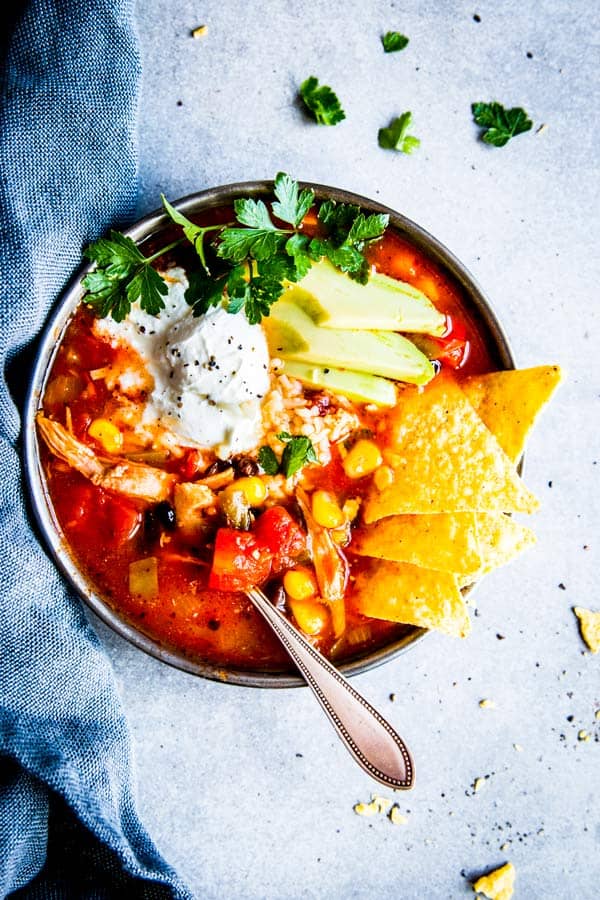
point(68, 821)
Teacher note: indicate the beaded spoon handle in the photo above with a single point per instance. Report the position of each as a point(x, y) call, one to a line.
point(370, 739)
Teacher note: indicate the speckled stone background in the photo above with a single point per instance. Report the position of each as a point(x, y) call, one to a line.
point(249, 793)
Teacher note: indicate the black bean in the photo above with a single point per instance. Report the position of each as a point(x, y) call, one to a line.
point(245, 466)
point(166, 515)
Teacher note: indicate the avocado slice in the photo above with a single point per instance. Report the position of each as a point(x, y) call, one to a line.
point(334, 300)
point(292, 334)
point(359, 386)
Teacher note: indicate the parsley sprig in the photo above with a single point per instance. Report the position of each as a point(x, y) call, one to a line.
point(500, 124)
point(123, 275)
point(254, 257)
point(263, 255)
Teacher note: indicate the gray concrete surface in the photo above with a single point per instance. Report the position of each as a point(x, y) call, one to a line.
point(249, 793)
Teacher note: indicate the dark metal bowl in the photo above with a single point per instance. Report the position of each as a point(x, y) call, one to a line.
point(146, 230)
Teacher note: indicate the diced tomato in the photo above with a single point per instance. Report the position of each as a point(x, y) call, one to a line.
point(454, 344)
point(190, 464)
point(239, 561)
point(281, 534)
point(122, 520)
point(80, 501)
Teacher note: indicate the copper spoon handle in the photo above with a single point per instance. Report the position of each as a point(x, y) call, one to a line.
point(370, 739)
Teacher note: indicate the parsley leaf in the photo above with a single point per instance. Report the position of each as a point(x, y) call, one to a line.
point(348, 230)
point(237, 244)
point(393, 41)
point(500, 124)
point(297, 453)
point(395, 137)
point(291, 204)
point(268, 461)
point(194, 233)
point(321, 101)
point(297, 247)
point(204, 292)
point(123, 275)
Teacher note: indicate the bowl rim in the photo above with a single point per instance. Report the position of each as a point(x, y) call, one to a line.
point(49, 342)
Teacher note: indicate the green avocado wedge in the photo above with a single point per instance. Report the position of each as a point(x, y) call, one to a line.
point(333, 300)
point(358, 386)
point(292, 334)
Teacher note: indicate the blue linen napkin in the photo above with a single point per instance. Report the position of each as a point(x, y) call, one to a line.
point(68, 823)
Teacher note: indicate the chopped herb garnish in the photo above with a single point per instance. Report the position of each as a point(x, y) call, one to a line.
point(394, 41)
point(254, 258)
point(500, 124)
point(395, 137)
point(122, 276)
point(321, 102)
point(297, 453)
point(268, 461)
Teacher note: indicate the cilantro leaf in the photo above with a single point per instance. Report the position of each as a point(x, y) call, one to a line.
point(268, 461)
point(500, 124)
point(395, 136)
point(298, 452)
point(291, 205)
point(394, 41)
point(321, 102)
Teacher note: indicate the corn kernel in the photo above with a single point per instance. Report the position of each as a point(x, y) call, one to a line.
point(351, 508)
point(362, 459)
point(253, 488)
point(383, 477)
point(326, 510)
point(311, 617)
point(300, 583)
point(106, 434)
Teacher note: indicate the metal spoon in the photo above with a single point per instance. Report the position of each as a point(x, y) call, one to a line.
point(370, 739)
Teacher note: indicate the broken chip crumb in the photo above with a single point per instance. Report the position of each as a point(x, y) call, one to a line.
point(584, 735)
point(382, 803)
point(365, 809)
point(589, 625)
point(597, 715)
point(375, 807)
point(505, 846)
point(498, 885)
point(396, 817)
point(487, 704)
point(478, 784)
point(518, 748)
point(200, 31)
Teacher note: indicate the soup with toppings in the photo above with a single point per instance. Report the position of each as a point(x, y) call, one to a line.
point(191, 456)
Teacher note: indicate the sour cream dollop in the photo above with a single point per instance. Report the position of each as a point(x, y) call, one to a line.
point(210, 373)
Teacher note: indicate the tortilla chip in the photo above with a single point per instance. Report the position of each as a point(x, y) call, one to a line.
point(399, 592)
point(445, 459)
point(589, 625)
point(510, 402)
point(446, 542)
point(501, 539)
